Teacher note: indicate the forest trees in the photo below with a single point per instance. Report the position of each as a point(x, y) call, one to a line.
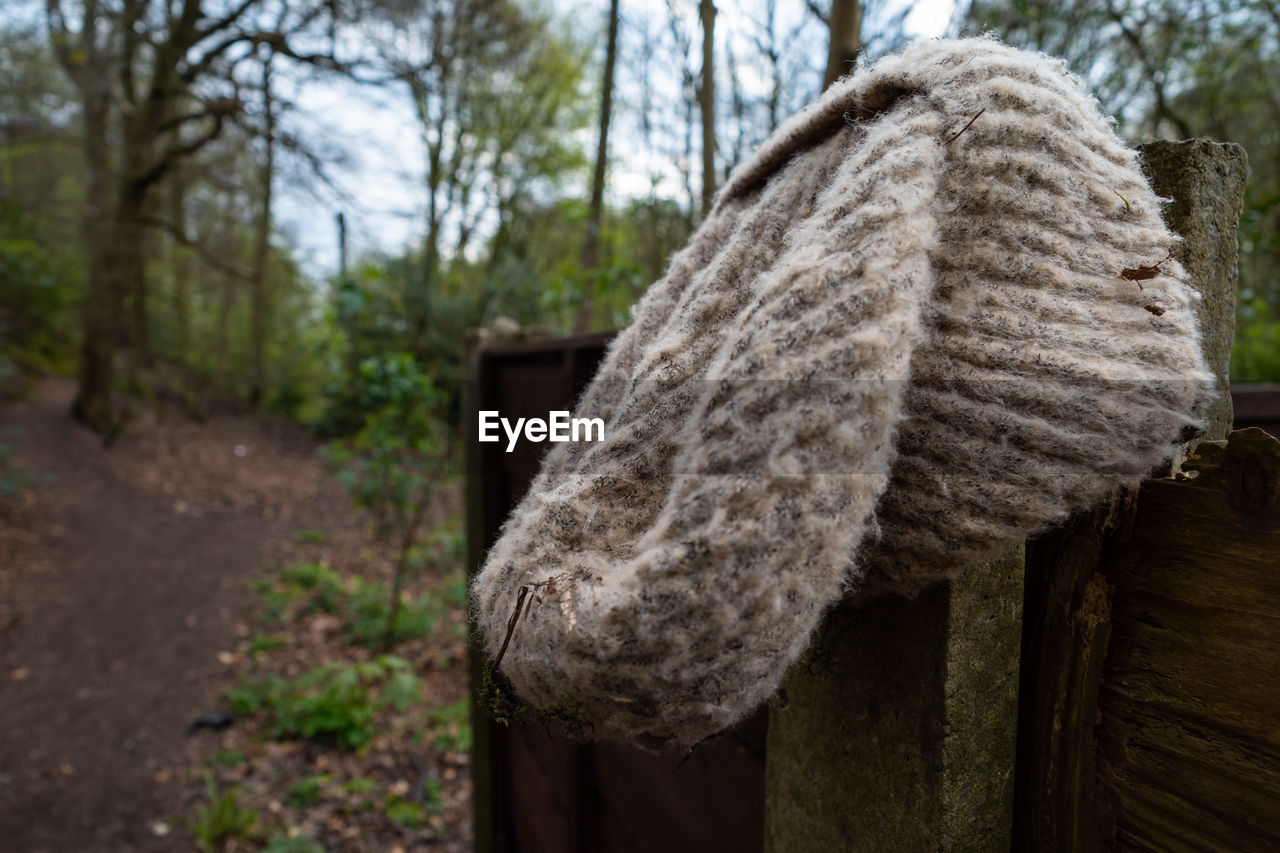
point(595, 214)
point(495, 87)
point(845, 23)
point(1196, 68)
point(560, 164)
point(156, 83)
point(707, 102)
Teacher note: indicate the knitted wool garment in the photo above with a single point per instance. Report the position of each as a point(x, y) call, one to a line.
point(893, 348)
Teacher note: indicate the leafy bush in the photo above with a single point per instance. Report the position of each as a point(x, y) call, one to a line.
point(316, 581)
point(307, 792)
point(294, 844)
point(332, 704)
point(393, 464)
point(451, 727)
point(367, 614)
point(455, 589)
point(1255, 353)
point(39, 292)
point(261, 643)
point(360, 785)
point(222, 818)
point(229, 758)
point(410, 813)
point(362, 606)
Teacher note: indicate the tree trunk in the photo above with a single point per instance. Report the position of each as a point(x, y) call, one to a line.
point(262, 246)
point(226, 305)
point(707, 102)
point(846, 39)
point(138, 286)
point(179, 267)
point(591, 241)
point(92, 405)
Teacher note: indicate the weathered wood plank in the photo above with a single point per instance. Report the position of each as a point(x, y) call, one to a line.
point(1065, 630)
point(1189, 739)
point(1069, 601)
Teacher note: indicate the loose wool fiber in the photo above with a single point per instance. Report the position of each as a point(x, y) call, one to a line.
point(894, 347)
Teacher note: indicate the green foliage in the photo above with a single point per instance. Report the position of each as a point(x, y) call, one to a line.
point(293, 844)
point(403, 811)
point(393, 464)
point(450, 726)
point(413, 814)
point(39, 291)
point(301, 588)
point(360, 785)
point(455, 586)
point(222, 818)
point(333, 704)
point(319, 584)
point(309, 536)
point(262, 643)
point(447, 542)
point(1255, 354)
point(1192, 68)
point(229, 758)
point(363, 606)
point(307, 792)
point(367, 614)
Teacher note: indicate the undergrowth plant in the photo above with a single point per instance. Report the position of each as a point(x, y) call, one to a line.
point(334, 704)
point(394, 463)
point(293, 844)
point(450, 727)
point(222, 818)
point(361, 605)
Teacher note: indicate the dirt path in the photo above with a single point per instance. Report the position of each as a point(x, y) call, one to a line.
point(123, 582)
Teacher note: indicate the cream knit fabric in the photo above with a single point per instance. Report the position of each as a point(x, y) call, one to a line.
point(888, 352)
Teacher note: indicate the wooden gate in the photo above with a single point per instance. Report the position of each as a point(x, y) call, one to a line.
point(1145, 683)
point(537, 792)
point(1179, 618)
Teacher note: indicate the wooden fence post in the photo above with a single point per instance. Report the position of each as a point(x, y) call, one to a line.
point(899, 728)
point(1069, 601)
point(899, 733)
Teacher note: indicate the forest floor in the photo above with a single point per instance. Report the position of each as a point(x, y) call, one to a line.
point(213, 567)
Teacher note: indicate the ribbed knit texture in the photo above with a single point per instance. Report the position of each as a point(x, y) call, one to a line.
point(888, 352)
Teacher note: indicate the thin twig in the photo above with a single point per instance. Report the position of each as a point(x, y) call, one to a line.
point(511, 625)
point(953, 137)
